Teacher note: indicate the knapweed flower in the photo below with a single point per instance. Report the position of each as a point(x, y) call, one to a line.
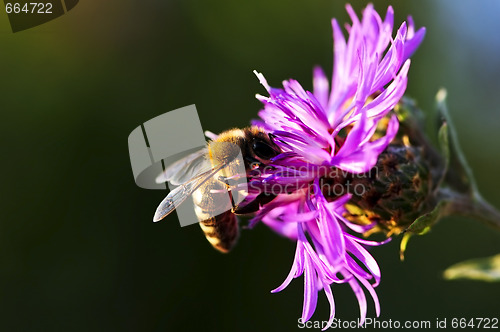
point(326, 137)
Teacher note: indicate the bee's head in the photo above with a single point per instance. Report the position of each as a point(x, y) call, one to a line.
point(259, 146)
point(255, 145)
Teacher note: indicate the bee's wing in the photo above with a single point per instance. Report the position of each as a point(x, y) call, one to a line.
point(179, 194)
point(186, 168)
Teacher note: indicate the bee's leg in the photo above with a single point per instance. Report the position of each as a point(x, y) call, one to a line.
point(254, 205)
point(230, 181)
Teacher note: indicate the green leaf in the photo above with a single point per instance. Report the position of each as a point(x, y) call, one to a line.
point(444, 144)
point(482, 269)
point(403, 245)
point(455, 156)
point(424, 223)
point(421, 226)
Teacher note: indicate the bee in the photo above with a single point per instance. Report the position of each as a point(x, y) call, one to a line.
point(202, 176)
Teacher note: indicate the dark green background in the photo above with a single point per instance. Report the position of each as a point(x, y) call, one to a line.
point(78, 250)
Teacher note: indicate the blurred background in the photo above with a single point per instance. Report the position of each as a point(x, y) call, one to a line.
point(78, 249)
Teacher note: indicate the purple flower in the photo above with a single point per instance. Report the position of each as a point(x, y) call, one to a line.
point(333, 129)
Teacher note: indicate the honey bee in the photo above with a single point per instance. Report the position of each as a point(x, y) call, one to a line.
point(202, 174)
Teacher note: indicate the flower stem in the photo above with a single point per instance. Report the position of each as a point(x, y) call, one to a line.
point(473, 206)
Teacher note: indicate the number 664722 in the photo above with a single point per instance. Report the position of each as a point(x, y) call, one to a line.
point(29, 8)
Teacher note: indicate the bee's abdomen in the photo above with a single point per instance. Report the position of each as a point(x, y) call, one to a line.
point(221, 231)
point(213, 210)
